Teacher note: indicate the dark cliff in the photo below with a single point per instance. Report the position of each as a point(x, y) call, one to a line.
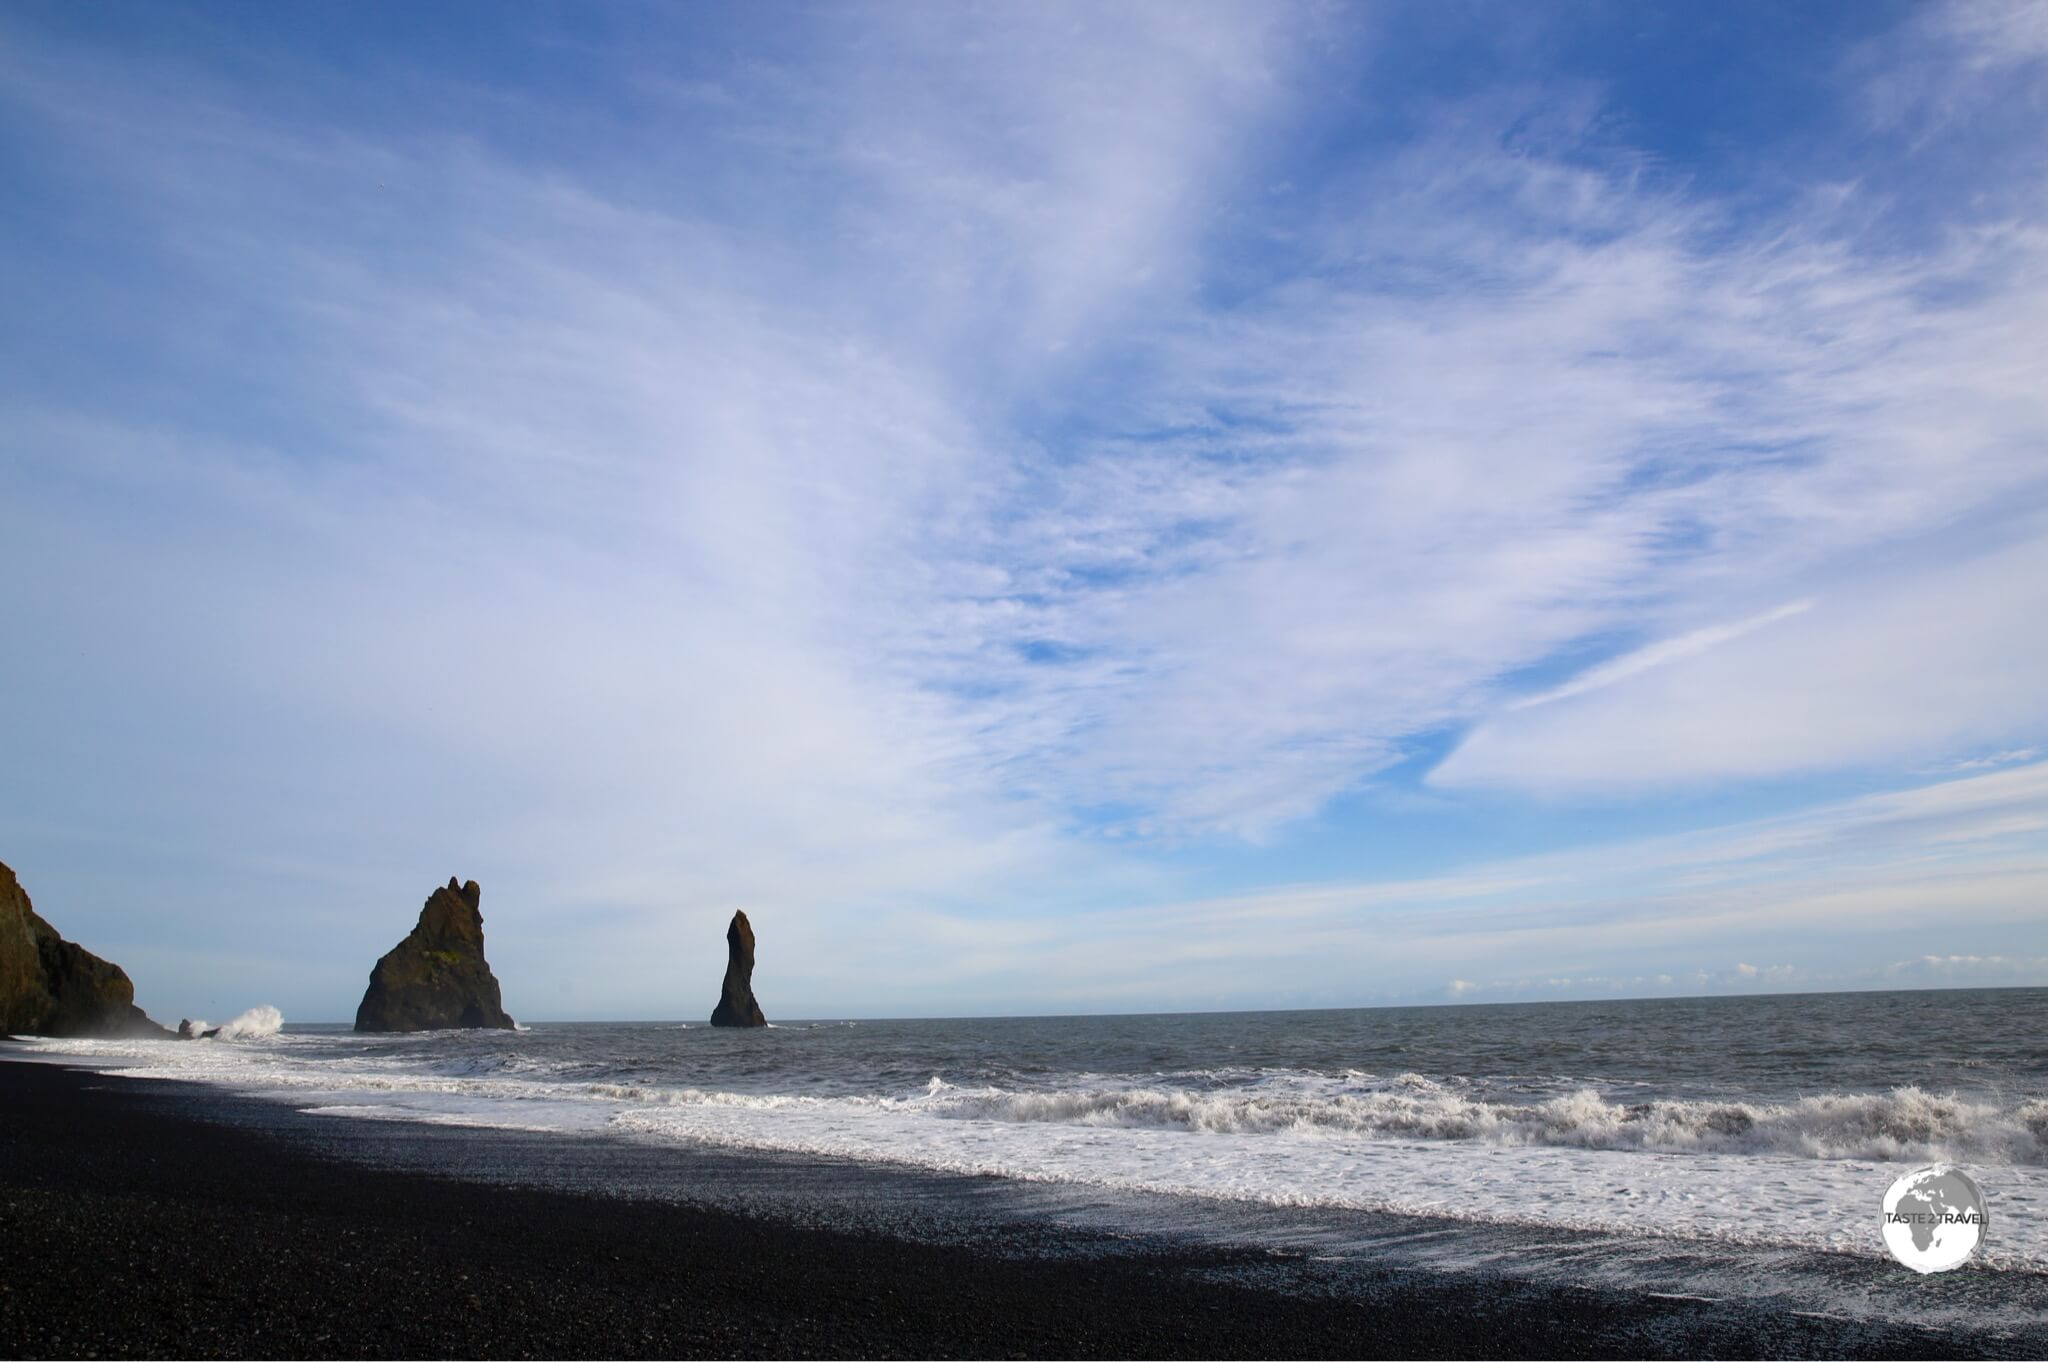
point(53, 987)
point(437, 978)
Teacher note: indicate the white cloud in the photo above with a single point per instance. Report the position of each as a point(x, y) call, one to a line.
point(1993, 32)
point(1823, 891)
point(1387, 494)
point(1502, 401)
point(605, 560)
point(1660, 654)
point(1970, 970)
point(1029, 173)
point(1895, 668)
point(963, 435)
point(1989, 760)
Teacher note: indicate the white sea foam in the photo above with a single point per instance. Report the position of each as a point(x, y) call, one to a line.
point(1805, 1172)
point(381, 1112)
point(1737, 1198)
point(1906, 1124)
point(1903, 1124)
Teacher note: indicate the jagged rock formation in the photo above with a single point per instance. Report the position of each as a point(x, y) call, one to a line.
point(437, 978)
point(736, 1005)
point(53, 987)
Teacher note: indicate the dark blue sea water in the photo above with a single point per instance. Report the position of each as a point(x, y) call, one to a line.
point(1668, 1120)
point(1989, 1044)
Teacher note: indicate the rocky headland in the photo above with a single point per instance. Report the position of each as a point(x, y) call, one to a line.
point(53, 987)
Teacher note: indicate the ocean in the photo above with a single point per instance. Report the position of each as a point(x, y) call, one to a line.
point(1738, 1126)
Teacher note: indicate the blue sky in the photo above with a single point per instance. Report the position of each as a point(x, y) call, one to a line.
point(1049, 508)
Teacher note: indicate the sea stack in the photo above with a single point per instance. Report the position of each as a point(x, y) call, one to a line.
point(437, 978)
point(53, 987)
point(736, 1005)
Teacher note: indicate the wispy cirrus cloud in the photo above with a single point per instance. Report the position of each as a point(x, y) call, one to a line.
point(924, 464)
point(1659, 654)
point(615, 521)
point(1900, 667)
point(1583, 414)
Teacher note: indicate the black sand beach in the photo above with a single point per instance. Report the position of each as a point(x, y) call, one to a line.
point(153, 1218)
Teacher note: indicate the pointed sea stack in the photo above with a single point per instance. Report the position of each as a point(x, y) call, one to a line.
point(437, 978)
point(736, 1005)
point(53, 987)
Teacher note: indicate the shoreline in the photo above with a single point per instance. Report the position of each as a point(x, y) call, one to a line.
point(144, 1216)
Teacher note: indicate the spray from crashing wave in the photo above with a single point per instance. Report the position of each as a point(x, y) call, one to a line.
point(255, 1024)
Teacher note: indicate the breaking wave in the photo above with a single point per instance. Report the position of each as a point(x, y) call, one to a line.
point(254, 1024)
point(1903, 1124)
